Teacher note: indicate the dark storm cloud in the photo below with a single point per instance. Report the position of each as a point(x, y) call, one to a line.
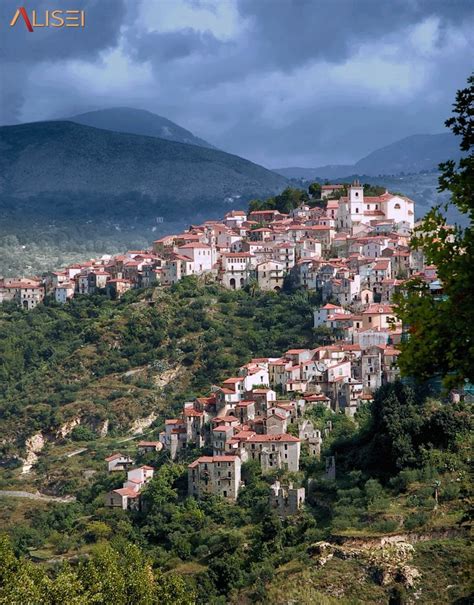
point(169, 46)
point(22, 52)
point(278, 81)
point(291, 32)
point(286, 34)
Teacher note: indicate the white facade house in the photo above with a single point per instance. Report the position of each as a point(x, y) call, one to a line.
point(118, 462)
point(236, 269)
point(359, 209)
point(270, 275)
point(201, 255)
point(321, 315)
point(64, 292)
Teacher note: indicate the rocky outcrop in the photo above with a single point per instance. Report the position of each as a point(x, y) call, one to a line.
point(390, 564)
point(33, 445)
point(385, 563)
point(166, 377)
point(139, 425)
point(65, 429)
point(103, 428)
point(393, 539)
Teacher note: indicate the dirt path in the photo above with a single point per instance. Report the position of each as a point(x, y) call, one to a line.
point(75, 453)
point(137, 436)
point(35, 496)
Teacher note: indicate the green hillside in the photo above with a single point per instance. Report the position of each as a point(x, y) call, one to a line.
point(101, 358)
point(120, 361)
point(51, 158)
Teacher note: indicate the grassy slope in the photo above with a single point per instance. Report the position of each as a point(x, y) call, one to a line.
point(122, 360)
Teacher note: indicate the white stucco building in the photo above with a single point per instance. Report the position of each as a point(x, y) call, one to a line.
point(356, 208)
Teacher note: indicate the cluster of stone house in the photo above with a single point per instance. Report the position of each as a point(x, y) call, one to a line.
point(259, 413)
point(355, 250)
point(27, 293)
point(128, 497)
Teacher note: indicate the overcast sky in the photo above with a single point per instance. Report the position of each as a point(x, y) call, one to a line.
point(281, 82)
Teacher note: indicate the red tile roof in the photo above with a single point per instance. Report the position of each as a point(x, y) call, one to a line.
point(212, 459)
point(126, 491)
point(284, 438)
point(114, 457)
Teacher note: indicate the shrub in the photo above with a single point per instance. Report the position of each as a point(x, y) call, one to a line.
point(82, 433)
point(385, 526)
point(415, 520)
point(404, 478)
point(96, 531)
point(450, 491)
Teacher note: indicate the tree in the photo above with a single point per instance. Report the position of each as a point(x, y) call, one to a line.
point(441, 337)
point(315, 190)
point(286, 201)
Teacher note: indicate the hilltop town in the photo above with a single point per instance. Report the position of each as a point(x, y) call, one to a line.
point(353, 249)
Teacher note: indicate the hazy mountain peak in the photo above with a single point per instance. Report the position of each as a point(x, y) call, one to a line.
point(412, 154)
point(138, 121)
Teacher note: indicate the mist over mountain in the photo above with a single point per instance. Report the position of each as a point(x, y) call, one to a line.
point(416, 153)
point(138, 121)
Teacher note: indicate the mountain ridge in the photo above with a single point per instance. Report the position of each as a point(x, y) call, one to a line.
point(58, 157)
point(413, 154)
point(131, 120)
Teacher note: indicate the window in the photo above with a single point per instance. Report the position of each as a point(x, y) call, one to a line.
point(357, 210)
point(397, 207)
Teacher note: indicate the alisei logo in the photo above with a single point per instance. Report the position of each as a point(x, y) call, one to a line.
point(50, 18)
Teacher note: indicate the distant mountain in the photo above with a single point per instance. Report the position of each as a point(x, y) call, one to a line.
point(65, 175)
point(322, 172)
point(411, 154)
point(416, 153)
point(138, 121)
